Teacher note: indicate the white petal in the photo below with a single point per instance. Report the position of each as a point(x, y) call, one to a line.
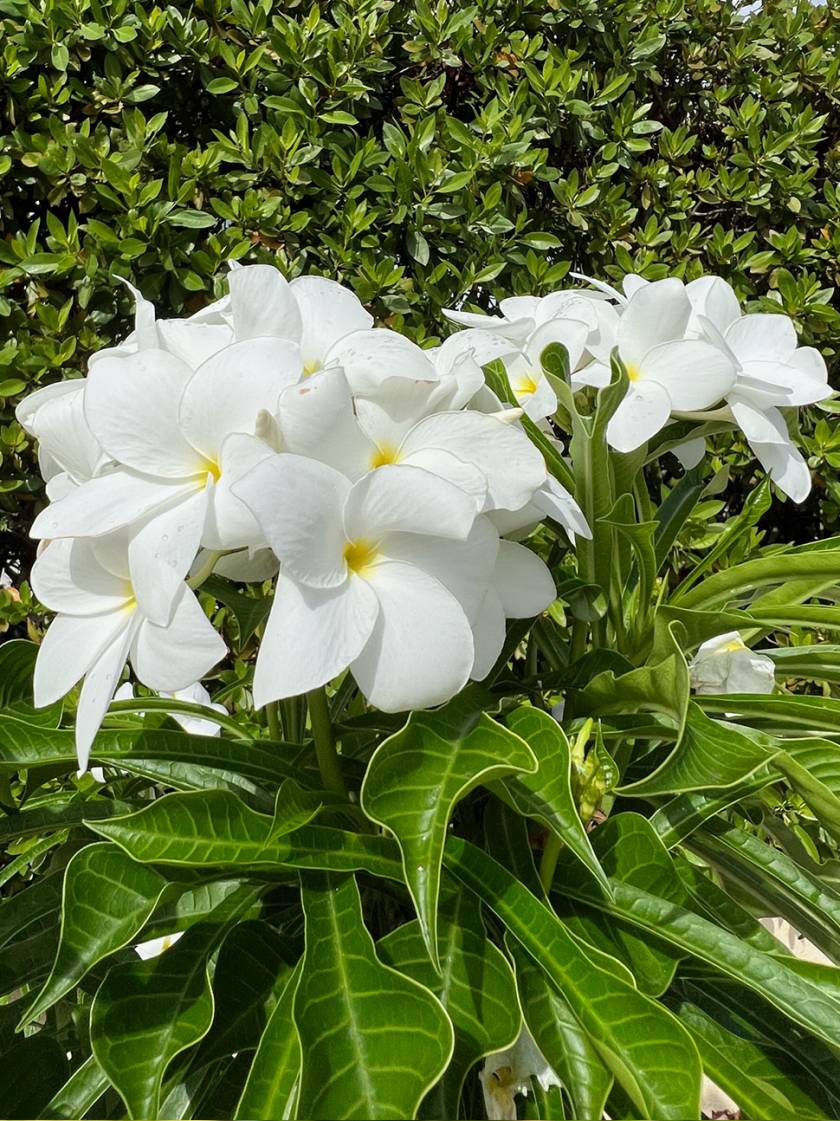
point(465, 568)
point(230, 524)
point(764, 426)
point(712, 297)
point(569, 304)
point(193, 342)
point(421, 650)
point(195, 725)
point(262, 303)
point(298, 503)
point(328, 312)
point(488, 635)
point(107, 503)
point(369, 357)
point(517, 307)
point(98, 690)
point(131, 405)
point(57, 421)
point(229, 390)
point(161, 551)
point(172, 657)
point(656, 313)
point(555, 501)
point(765, 337)
point(641, 414)
point(311, 636)
point(750, 673)
point(782, 383)
point(691, 452)
point(570, 333)
point(486, 346)
point(786, 468)
point(596, 374)
point(695, 373)
point(541, 402)
point(513, 467)
point(316, 419)
point(248, 567)
point(157, 946)
point(68, 650)
point(389, 413)
point(145, 329)
point(467, 477)
point(67, 577)
point(402, 499)
point(522, 581)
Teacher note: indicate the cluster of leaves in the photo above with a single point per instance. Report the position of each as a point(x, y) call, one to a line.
point(424, 153)
point(355, 944)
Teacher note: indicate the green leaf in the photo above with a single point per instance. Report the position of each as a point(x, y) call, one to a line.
point(417, 776)
point(541, 240)
point(475, 986)
point(17, 667)
point(678, 818)
point(147, 1012)
point(338, 117)
point(272, 1086)
point(214, 828)
point(742, 579)
point(417, 246)
point(250, 611)
point(709, 755)
point(564, 1043)
point(80, 1092)
point(778, 713)
point(645, 1048)
point(107, 899)
point(251, 972)
point(221, 85)
point(383, 1037)
point(191, 219)
point(31, 1072)
point(799, 999)
point(760, 1080)
point(547, 795)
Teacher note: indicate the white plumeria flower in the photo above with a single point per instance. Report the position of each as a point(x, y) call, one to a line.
point(667, 371)
point(490, 460)
point(181, 438)
point(100, 625)
point(157, 946)
point(508, 1073)
point(773, 371)
point(360, 582)
point(726, 665)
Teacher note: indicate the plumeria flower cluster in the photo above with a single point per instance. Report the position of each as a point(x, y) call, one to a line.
point(278, 432)
point(690, 354)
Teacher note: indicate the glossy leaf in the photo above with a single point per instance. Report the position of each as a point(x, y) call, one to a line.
point(566, 1046)
point(147, 1012)
point(756, 1078)
point(384, 1038)
point(80, 1092)
point(711, 754)
point(107, 898)
point(644, 1047)
point(547, 794)
point(271, 1090)
point(217, 829)
point(475, 986)
point(417, 776)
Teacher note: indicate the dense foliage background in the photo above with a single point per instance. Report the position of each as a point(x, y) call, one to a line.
point(425, 154)
point(430, 156)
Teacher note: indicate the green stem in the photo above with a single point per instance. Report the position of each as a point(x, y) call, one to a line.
point(548, 861)
point(183, 708)
point(273, 719)
point(329, 763)
point(206, 569)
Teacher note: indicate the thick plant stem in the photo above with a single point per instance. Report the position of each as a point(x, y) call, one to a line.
point(322, 733)
point(273, 719)
point(548, 861)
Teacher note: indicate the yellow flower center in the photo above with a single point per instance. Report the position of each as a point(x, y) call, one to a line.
point(130, 603)
point(732, 646)
point(525, 385)
point(384, 455)
point(209, 467)
point(633, 373)
point(360, 555)
point(310, 368)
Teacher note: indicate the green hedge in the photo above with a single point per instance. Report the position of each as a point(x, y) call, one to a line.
point(424, 154)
